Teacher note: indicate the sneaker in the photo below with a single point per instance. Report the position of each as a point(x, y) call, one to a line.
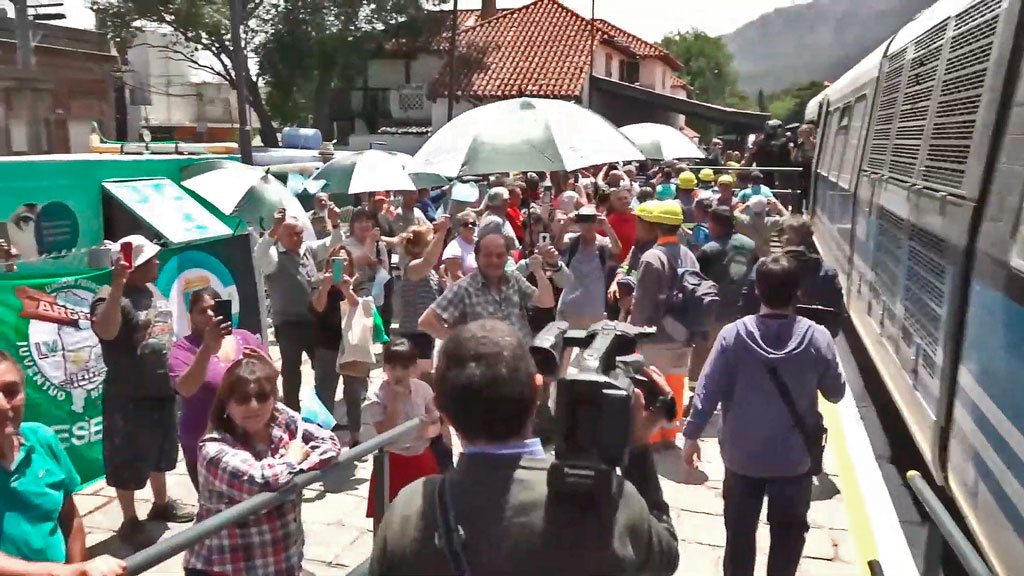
point(173, 511)
point(133, 533)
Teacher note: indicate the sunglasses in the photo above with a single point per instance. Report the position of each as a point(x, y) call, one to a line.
point(245, 398)
point(469, 224)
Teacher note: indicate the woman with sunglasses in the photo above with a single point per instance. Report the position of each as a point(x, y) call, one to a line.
point(255, 444)
point(197, 363)
point(458, 257)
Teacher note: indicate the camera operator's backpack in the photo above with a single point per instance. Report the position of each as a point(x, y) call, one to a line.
point(691, 303)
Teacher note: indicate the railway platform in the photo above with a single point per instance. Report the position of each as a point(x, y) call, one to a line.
point(853, 518)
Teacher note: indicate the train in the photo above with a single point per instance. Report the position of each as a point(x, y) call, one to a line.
point(916, 194)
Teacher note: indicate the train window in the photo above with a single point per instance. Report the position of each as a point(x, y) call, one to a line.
point(854, 137)
point(839, 142)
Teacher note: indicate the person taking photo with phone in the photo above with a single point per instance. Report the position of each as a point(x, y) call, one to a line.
point(292, 268)
point(133, 322)
point(197, 363)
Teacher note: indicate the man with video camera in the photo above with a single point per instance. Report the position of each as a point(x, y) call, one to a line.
point(500, 511)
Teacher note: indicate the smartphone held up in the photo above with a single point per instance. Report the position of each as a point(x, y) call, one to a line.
point(222, 310)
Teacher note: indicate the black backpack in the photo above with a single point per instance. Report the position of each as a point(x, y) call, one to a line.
point(691, 303)
point(574, 247)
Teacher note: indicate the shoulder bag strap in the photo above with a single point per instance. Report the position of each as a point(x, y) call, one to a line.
point(450, 536)
point(787, 399)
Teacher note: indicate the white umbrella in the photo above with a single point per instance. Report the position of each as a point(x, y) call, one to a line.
point(524, 134)
point(365, 171)
point(661, 141)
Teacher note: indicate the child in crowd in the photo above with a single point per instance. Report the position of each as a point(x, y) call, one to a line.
point(698, 235)
point(401, 398)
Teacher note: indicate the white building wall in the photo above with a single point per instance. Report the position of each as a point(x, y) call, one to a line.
point(178, 93)
point(655, 75)
point(439, 111)
point(600, 67)
point(385, 73)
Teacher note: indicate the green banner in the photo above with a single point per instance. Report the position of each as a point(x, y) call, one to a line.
point(48, 328)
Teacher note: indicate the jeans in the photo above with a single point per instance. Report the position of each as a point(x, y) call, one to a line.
point(325, 376)
point(789, 499)
point(354, 392)
point(293, 338)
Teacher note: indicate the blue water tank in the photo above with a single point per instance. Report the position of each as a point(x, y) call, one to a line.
point(304, 138)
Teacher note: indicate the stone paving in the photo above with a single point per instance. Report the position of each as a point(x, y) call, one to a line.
point(339, 537)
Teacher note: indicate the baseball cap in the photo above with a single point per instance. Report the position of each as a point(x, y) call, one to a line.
point(143, 249)
point(687, 180)
point(707, 175)
point(660, 212)
point(497, 196)
point(380, 196)
point(757, 204)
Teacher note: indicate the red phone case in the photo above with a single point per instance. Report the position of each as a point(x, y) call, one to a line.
point(127, 250)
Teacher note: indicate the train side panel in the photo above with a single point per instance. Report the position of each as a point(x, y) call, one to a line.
point(985, 466)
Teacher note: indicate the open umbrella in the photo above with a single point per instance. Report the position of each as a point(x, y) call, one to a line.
point(244, 191)
point(661, 141)
point(365, 171)
point(524, 134)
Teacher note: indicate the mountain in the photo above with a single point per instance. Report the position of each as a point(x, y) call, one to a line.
point(819, 40)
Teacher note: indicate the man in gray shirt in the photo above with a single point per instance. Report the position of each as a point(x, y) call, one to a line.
point(293, 273)
point(762, 446)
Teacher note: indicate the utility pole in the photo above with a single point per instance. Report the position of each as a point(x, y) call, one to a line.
point(241, 65)
point(593, 52)
point(451, 59)
point(23, 27)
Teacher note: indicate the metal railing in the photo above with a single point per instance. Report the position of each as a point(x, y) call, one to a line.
point(161, 551)
point(761, 169)
point(972, 562)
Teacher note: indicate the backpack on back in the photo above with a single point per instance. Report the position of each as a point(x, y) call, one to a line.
point(574, 247)
point(691, 303)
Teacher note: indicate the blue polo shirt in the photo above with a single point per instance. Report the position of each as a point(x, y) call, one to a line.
point(32, 494)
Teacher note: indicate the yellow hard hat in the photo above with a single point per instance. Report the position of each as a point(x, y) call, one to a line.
point(707, 175)
point(660, 212)
point(725, 179)
point(732, 164)
point(687, 181)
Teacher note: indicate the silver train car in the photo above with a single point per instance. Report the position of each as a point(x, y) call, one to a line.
point(917, 199)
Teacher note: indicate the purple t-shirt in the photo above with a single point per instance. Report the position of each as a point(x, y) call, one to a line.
point(195, 410)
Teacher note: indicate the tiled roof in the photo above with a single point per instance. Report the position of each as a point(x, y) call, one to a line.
point(678, 82)
point(540, 49)
point(433, 34)
point(690, 133)
point(638, 45)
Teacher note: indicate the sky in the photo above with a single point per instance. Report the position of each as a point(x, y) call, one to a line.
point(649, 19)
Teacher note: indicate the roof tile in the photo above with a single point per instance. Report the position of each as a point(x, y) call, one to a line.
point(540, 49)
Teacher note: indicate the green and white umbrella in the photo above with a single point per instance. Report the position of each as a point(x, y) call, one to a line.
point(524, 134)
point(244, 191)
point(661, 141)
point(365, 171)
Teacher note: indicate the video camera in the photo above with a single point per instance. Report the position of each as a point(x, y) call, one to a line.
point(593, 406)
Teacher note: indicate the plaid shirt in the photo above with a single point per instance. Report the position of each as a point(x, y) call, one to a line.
point(229, 473)
point(472, 299)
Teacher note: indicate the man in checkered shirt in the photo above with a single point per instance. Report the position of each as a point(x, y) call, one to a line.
point(490, 292)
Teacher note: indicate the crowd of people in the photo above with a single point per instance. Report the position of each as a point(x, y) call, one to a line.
point(465, 286)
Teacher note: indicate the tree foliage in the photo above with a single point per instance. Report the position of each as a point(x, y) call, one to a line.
point(789, 104)
point(708, 68)
point(305, 48)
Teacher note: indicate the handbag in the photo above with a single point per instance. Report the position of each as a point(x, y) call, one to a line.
point(815, 435)
point(357, 333)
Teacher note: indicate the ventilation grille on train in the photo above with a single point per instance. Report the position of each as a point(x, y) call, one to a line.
point(923, 128)
point(887, 260)
point(924, 294)
point(960, 94)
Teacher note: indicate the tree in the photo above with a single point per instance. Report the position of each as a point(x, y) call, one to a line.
point(303, 46)
point(708, 68)
point(788, 105)
point(197, 27)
